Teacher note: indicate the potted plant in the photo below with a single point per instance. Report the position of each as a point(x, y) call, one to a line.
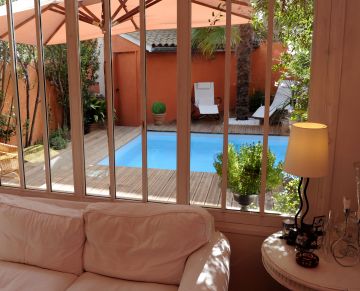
point(244, 172)
point(159, 112)
point(94, 113)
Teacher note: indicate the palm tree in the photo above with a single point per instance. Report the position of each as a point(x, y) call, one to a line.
point(209, 39)
point(243, 71)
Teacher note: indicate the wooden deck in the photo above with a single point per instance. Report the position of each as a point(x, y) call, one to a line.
point(204, 187)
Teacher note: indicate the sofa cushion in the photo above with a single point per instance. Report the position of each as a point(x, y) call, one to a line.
point(93, 282)
point(143, 242)
point(18, 277)
point(41, 234)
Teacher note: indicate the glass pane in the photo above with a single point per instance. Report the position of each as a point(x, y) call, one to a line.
point(291, 54)
point(161, 64)
point(208, 74)
point(30, 106)
point(8, 142)
point(57, 88)
point(94, 110)
point(127, 103)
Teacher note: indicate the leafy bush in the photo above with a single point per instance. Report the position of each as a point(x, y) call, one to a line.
point(58, 139)
point(158, 108)
point(244, 169)
point(94, 110)
point(7, 127)
point(287, 201)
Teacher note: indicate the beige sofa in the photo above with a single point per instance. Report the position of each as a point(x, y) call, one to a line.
point(50, 245)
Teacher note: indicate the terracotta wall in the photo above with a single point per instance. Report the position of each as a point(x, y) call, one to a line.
point(161, 78)
point(55, 110)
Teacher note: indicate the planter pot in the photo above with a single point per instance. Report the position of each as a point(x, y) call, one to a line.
point(159, 118)
point(244, 200)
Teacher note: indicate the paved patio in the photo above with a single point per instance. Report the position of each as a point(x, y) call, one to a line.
point(204, 187)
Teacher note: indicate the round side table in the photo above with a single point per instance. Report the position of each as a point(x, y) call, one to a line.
point(279, 261)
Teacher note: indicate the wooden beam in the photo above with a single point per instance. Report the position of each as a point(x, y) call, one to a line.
point(54, 32)
point(22, 23)
point(42, 92)
point(226, 104)
point(14, 78)
point(183, 98)
point(268, 71)
point(127, 11)
point(220, 9)
point(75, 100)
point(90, 13)
point(109, 95)
point(143, 99)
point(116, 12)
point(134, 11)
point(242, 3)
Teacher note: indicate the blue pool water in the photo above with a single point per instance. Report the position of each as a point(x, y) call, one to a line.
point(204, 148)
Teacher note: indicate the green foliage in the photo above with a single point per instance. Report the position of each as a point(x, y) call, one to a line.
point(57, 72)
point(287, 201)
point(209, 39)
point(158, 108)
point(293, 27)
point(244, 169)
point(58, 139)
point(7, 127)
point(94, 110)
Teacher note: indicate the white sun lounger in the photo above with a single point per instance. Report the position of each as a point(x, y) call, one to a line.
point(205, 99)
point(281, 100)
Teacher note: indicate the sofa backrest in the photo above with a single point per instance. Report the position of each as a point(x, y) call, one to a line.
point(143, 242)
point(41, 234)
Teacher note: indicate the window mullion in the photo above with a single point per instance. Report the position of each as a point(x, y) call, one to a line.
point(42, 92)
point(109, 92)
point(226, 103)
point(143, 99)
point(183, 98)
point(12, 47)
point(268, 72)
point(75, 100)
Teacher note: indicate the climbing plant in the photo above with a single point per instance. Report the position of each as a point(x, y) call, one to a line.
point(293, 21)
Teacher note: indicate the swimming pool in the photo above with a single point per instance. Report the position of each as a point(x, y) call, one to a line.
point(204, 148)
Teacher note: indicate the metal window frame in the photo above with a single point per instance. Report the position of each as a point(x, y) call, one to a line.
point(76, 106)
point(42, 92)
point(14, 79)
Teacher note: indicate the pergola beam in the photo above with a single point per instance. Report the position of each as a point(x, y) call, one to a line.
point(221, 9)
point(54, 32)
point(26, 21)
point(134, 11)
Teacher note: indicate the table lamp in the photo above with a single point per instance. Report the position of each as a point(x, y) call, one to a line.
point(306, 157)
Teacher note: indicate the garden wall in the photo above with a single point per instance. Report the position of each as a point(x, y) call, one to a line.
point(55, 115)
point(161, 78)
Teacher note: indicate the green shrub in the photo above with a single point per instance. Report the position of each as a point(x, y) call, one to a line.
point(94, 110)
point(58, 139)
point(244, 169)
point(287, 200)
point(158, 108)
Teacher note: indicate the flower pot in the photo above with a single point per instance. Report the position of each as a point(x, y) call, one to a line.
point(244, 200)
point(159, 118)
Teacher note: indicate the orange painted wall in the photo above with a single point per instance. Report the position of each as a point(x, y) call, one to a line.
point(258, 67)
point(161, 78)
point(54, 108)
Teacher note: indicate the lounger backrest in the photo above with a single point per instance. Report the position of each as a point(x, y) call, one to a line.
point(282, 96)
point(204, 93)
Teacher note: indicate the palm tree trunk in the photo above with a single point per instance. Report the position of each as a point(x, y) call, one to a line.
point(243, 71)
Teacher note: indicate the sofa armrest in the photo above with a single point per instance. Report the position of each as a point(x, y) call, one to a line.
point(208, 267)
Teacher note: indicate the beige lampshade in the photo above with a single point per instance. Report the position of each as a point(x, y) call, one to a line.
point(307, 151)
